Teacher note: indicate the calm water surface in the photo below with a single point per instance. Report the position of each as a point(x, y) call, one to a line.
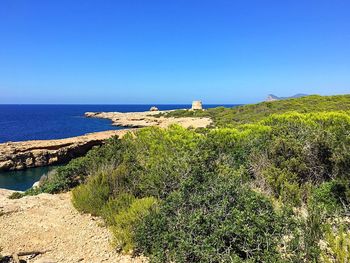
point(36, 122)
point(22, 180)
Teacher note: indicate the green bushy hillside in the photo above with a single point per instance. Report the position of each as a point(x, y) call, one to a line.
point(273, 188)
point(255, 112)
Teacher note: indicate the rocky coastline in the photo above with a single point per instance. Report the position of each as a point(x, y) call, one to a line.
point(37, 153)
point(28, 154)
point(149, 118)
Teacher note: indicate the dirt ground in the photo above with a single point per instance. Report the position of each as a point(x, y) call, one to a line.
point(50, 224)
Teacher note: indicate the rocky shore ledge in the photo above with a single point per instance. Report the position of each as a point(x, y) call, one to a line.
point(149, 118)
point(27, 154)
point(22, 155)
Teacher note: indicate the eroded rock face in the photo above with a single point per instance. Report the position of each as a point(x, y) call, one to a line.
point(22, 155)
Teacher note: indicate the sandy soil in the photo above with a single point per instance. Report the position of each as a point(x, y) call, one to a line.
point(50, 223)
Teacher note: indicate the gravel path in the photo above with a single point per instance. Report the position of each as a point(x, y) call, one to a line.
point(50, 223)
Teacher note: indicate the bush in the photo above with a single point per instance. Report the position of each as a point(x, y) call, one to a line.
point(158, 159)
point(16, 195)
point(91, 197)
point(284, 184)
point(127, 219)
point(211, 219)
point(338, 246)
point(332, 196)
point(116, 205)
point(77, 170)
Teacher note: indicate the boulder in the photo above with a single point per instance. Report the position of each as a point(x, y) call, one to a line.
point(36, 185)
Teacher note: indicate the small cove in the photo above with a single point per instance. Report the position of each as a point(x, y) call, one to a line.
point(23, 179)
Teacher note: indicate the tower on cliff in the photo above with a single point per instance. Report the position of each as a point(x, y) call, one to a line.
point(197, 105)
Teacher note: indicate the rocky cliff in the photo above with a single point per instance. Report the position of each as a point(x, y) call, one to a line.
point(21, 155)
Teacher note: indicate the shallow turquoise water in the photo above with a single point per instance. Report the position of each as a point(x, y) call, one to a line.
point(22, 180)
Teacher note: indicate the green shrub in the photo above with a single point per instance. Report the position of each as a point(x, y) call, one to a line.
point(304, 237)
point(116, 205)
point(284, 184)
point(332, 196)
point(211, 219)
point(16, 195)
point(127, 219)
point(77, 170)
point(303, 149)
point(91, 197)
point(338, 246)
point(160, 158)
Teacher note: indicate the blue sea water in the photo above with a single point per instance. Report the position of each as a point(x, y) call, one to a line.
point(44, 122)
point(41, 122)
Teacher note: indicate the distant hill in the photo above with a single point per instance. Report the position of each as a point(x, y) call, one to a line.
point(272, 97)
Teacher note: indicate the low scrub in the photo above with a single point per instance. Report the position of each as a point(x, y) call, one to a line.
point(211, 219)
point(127, 220)
point(259, 190)
point(337, 246)
point(91, 197)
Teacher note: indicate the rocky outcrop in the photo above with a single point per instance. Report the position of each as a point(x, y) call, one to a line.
point(149, 118)
point(21, 155)
point(272, 97)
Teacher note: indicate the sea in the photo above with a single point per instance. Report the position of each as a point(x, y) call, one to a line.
point(47, 122)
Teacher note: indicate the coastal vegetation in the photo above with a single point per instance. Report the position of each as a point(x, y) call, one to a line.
point(223, 116)
point(268, 183)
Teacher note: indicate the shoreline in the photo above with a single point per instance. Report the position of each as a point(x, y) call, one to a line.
point(149, 118)
point(21, 155)
point(38, 153)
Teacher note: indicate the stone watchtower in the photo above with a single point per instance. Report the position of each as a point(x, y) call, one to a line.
point(197, 105)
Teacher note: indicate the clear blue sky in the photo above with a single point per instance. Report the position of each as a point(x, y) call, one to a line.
point(171, 51)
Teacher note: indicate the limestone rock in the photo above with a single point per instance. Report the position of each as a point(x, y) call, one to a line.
point(22, 155)
point(149, 118)
point(36, 185)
